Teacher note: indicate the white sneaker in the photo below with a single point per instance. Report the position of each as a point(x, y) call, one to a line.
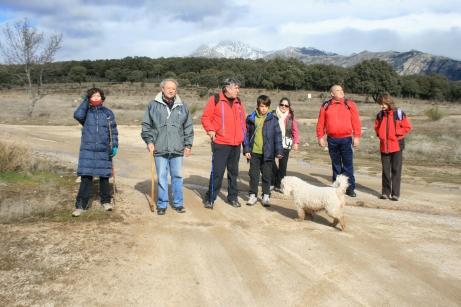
point(107, 206)
point(77, 212)
point(266, 200)
point(252, 200)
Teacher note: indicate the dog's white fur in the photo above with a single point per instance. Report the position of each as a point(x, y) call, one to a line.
point(309, 198)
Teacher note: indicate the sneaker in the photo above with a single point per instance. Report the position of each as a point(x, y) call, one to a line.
point(266, 200)
point(161, 211)
point(180, 209)
point(252, 200)
point(384, 196)
point(107, 206)
point(394, 198)
point(278, 190)
point(77, 212)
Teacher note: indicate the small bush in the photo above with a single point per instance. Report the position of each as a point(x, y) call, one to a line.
point(434, 114)
point(13, 158)
point(193, 108)
point(17, 158)
point(203, 92)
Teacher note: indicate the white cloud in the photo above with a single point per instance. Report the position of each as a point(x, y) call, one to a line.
point(154, 28)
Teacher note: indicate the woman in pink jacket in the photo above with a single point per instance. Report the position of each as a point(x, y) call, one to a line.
point(391, 126)
point(290, 139)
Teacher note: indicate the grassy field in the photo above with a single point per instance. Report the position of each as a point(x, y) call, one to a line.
point(37, 189)
point(432, 151)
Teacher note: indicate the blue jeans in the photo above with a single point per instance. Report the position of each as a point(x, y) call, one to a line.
point(342, 157)
point(169, 164)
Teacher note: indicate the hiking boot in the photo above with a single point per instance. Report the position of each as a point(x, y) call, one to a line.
point(252, 200)
point(351, 193)
point(266, 200)
point(384, 196)
point(161, 211)
point(77, 212)
point(107, 206)
point(234, 203)
point(394, 198)
point(180, 209)
point(207, 204)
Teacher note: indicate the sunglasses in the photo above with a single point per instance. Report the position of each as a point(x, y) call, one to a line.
point(284, 105)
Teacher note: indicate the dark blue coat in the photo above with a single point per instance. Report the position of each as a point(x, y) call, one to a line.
point(95, 147)
point(272, 136)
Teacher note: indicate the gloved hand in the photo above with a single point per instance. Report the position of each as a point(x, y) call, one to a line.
point(114, 151)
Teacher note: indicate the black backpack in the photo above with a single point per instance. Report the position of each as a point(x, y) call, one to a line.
point(216, 98)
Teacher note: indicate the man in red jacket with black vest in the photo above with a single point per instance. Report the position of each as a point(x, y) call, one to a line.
point(224, 121)
point(339, 120)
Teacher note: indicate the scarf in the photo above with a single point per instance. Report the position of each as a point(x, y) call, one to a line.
point(282, 119)
point(95, 103)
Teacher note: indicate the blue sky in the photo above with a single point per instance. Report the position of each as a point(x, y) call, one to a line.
point(103, 29)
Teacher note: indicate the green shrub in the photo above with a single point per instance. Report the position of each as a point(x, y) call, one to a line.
point(434, 114)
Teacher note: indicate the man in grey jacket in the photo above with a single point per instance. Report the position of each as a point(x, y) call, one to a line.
point(168, 132)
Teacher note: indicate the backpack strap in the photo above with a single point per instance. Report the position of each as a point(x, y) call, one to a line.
point(399, 115)
point(327, 103)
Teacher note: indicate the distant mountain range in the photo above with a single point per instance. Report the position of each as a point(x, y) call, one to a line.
point(405, 63)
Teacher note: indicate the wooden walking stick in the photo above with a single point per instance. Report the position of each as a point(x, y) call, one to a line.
point(152, 187)
point(111, 144)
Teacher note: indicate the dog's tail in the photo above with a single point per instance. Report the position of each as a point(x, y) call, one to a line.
point(341, 183)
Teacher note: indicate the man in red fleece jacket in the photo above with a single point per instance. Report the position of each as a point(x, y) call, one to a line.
point(224, 121)
point(339, 120)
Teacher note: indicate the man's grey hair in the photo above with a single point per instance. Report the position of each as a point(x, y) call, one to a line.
point(230, 81)
point(162, 84)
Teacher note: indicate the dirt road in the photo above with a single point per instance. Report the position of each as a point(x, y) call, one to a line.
point(392, 254)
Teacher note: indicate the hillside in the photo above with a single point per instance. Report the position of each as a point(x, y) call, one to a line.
point(405, 63)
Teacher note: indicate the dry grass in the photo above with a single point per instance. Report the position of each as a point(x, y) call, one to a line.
point(430, 144)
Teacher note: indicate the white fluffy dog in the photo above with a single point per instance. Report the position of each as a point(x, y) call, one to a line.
point(309, 198)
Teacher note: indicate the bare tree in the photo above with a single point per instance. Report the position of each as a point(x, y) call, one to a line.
point(25, 45)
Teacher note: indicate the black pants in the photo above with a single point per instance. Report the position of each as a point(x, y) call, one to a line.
point(224, 156)
point(84, 192)
point(392, 173)
point(259, 166)
point(278, 172)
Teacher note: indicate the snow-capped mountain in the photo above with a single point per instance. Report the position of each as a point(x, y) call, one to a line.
point(229, 50)
point(405, 63)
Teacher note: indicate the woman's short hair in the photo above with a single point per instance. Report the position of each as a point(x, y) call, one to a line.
point(93, 91)
point(263, 99)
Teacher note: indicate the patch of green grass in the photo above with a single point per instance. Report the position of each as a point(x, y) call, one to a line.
point(64, 215)
point(14, 177)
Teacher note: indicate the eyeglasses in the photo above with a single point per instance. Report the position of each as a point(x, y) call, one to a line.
point(284, 105)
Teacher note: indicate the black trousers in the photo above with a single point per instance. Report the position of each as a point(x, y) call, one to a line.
point(84, 192)
point(224, 156)
point(392, 173)
point(259, 166)
point(280, 171)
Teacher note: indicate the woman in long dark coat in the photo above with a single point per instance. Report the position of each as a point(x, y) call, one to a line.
point(99, 144)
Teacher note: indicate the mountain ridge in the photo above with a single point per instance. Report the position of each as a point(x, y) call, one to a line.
point(405, 63)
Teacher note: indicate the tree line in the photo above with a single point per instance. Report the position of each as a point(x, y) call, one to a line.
point(370, 77)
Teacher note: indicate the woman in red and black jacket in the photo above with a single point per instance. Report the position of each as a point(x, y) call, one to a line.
point(391, 126)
